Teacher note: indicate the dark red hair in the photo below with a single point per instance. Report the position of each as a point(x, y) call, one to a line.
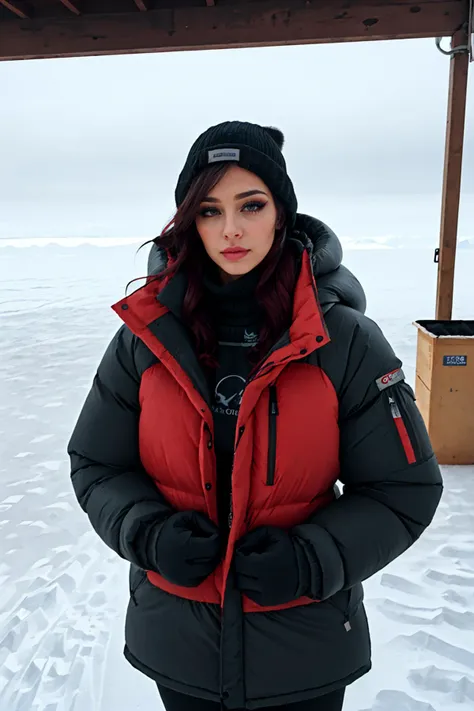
point(274, 292)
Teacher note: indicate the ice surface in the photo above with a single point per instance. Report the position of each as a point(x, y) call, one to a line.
point(63, 593)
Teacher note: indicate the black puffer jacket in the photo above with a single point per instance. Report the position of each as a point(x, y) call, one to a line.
point(345, 413)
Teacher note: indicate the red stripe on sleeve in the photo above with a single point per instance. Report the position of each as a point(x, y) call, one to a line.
point(407, 445)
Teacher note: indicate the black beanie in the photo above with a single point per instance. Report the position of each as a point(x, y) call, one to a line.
point(255, 148)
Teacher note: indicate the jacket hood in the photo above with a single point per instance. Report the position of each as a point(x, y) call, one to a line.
point(335, 283)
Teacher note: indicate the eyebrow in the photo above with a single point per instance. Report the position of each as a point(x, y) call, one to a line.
point(240, 196)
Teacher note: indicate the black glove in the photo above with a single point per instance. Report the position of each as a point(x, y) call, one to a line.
point(188, 549)
point(271, 567)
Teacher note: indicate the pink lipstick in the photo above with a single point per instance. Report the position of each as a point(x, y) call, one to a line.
point(233, 254)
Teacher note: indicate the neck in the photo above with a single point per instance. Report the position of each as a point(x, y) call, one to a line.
point(226, 278)
point(234, 301)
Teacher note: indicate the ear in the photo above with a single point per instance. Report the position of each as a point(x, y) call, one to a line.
point(277, 135)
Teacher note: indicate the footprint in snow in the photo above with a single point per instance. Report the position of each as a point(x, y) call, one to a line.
point(41, 438)
point(389, 580)
point(426, 615)
point(460, 552)
point(454, 597)
point(398, 701)
point(423, 641)
point(450, 578)
point(454, 685)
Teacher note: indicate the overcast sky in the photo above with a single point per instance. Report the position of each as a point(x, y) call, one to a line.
point(93, 146)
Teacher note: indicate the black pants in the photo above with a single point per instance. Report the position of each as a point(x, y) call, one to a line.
point(173, 701)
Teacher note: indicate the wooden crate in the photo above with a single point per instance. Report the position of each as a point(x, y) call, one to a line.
point(445, 387)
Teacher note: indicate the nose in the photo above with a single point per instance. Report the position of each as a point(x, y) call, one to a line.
point(232, 228)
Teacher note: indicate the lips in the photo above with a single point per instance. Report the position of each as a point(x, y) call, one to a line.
point(233, 254)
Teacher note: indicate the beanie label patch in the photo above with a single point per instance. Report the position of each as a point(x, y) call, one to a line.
point(223, 154)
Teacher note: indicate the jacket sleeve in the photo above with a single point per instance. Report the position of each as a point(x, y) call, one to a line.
point(392, 483)
point(123, 504)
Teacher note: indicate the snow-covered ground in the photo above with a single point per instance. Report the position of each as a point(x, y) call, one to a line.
point(63, 593)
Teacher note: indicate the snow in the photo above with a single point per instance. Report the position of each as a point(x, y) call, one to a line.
point(63, 594)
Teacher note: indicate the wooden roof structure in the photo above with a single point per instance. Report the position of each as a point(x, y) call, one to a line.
point(51, 28)
point(34, 29)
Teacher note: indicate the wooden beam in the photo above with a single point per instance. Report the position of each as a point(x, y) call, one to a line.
point(70, 6)
point(452, 177)
point(16, 11)
point(142, 6)
point(247, 24)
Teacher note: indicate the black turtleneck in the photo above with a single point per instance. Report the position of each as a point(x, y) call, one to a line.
point(236, 316)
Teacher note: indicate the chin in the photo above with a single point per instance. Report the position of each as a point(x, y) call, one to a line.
point(237, 269)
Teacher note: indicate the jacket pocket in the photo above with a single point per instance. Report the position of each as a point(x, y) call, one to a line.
point(402, 419)
point(137, 578)
point(347, 603)
point(272, 434)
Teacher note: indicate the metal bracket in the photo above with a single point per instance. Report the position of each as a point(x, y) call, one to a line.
point(436, 255)
point(461, 49)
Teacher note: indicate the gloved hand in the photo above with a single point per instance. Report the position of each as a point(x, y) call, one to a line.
point(188, 549)
point(271, 567)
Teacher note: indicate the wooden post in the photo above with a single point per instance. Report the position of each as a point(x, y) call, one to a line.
point(452, 177)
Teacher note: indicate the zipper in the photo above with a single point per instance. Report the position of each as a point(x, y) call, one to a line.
point(136, 587)
point(272, 434)
point(403, 426)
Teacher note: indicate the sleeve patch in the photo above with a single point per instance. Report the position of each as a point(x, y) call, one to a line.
point(386, 381)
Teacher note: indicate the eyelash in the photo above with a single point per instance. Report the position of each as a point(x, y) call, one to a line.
point(255, 204)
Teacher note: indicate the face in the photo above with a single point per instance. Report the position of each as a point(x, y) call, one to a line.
point(237, 222)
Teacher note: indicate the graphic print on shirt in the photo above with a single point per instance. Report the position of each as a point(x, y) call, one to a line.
point(250, 338)
point(228, 395)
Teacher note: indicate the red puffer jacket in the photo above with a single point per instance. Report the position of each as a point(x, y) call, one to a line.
point(176, 433)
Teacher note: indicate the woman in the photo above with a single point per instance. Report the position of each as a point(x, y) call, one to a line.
point(245, 382)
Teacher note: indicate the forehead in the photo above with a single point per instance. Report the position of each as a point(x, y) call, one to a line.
point(237, 180)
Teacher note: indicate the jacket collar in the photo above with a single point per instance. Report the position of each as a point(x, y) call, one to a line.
point(336, 284)
point(153, 313)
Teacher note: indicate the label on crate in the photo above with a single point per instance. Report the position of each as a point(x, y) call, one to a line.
point(455, 360)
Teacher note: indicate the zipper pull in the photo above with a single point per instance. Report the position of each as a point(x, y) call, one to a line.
point(396, 414)
point(273, 401)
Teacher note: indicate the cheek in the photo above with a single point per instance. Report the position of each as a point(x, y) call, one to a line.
point(265, 233)
point(206, 233)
